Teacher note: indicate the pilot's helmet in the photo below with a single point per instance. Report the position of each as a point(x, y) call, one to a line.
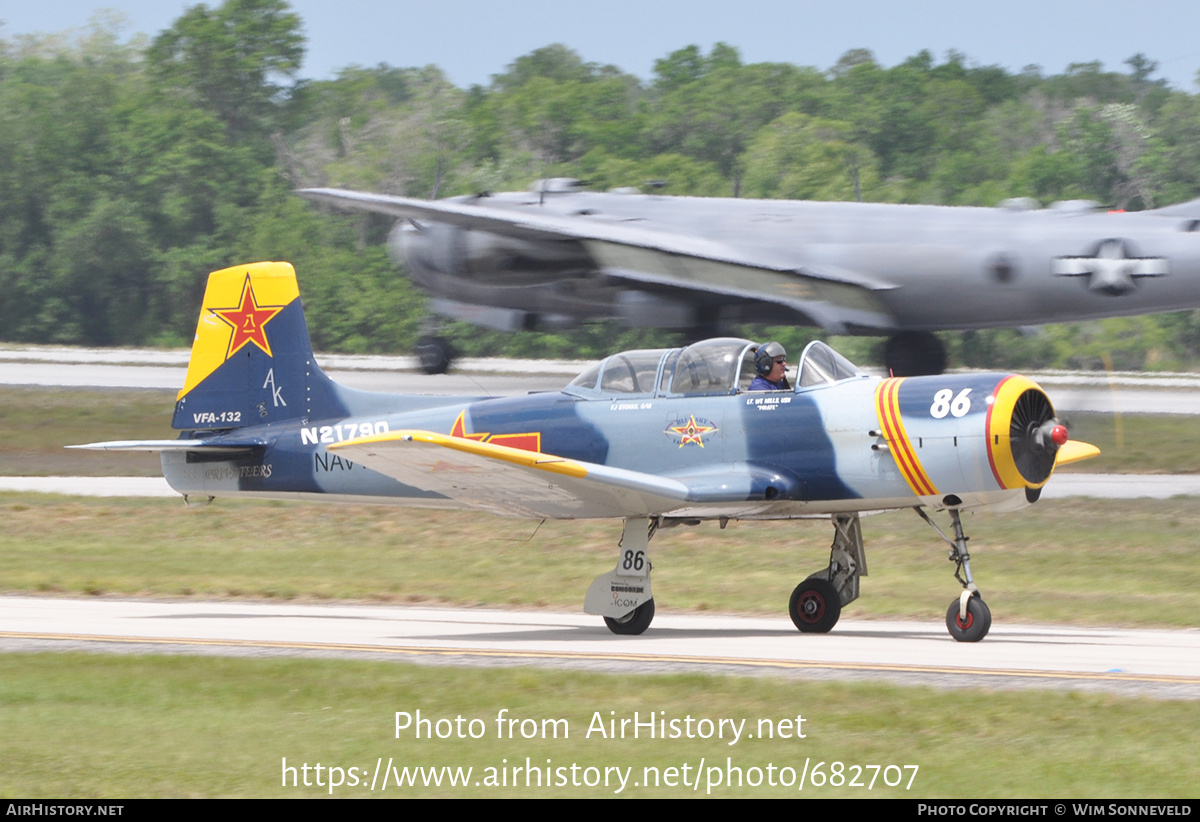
point(764, 360)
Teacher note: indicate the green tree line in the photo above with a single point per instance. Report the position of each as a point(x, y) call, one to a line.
point(131, 168)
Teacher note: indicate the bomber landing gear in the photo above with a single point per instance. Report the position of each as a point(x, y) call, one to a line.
point(816, 604)
point(434, 354)
point(914, 354)
point(623, 596)
point(968, 619)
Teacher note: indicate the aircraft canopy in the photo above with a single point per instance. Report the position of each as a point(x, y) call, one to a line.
point(715, 367)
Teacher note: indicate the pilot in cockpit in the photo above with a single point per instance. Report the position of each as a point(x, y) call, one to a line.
point(771, 362)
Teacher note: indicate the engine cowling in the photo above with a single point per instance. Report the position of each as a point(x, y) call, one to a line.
point(446, 250)
point(1024, 435)
point(957, 437)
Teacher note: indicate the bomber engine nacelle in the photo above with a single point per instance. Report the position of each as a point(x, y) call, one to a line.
point(972, 439)
point(447, 250)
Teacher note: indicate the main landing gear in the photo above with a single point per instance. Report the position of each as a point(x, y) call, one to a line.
point(817, 602)
point(623, 596)
point(914, 354)
point(434, 354)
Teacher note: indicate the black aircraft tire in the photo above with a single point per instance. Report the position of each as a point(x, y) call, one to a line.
point(635, 622)
point(977, 623)
point(434, 354)
point(914, 354)
point(815, 606)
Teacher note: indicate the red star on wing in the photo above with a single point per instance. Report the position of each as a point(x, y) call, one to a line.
point(459, 430)
point(526, 441)
point(249, 321)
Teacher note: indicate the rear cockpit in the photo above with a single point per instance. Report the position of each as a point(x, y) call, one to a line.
point(715, 367)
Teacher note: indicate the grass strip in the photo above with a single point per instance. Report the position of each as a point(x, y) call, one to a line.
point(1078, 561)
point(99, 726)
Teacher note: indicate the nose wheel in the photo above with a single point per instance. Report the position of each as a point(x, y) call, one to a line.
point(974, 625)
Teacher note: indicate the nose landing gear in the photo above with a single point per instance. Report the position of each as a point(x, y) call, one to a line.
point(968, 619)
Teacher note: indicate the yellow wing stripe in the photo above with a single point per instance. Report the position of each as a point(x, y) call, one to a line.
point(274, 284)
point(517, 456)
point(887, 407)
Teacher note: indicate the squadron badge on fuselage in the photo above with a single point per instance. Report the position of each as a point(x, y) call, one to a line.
point(691, 429)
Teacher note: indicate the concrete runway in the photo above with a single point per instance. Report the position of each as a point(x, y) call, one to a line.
point(1163, 664)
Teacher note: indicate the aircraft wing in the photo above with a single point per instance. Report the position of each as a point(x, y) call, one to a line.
point(509, 481)
point(832, 297)
point(1189, 210)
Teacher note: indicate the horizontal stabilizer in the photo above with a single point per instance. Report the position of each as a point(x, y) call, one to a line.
point(158, 446)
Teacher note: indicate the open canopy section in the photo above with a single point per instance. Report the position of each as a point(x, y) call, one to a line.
point(821, 365)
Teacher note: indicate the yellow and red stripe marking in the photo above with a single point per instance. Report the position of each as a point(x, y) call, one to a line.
point(887, 407)
point(993, 436)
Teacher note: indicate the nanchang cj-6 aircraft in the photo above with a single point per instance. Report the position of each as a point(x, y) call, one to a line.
point(654, 437)
point(558, 254)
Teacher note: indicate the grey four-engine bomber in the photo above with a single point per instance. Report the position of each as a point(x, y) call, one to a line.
point(559, 254)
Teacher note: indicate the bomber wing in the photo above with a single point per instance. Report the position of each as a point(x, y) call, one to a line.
point(833, 298)
point(1189, 210)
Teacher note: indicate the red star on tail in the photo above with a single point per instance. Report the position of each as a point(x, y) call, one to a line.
point(249, 321)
